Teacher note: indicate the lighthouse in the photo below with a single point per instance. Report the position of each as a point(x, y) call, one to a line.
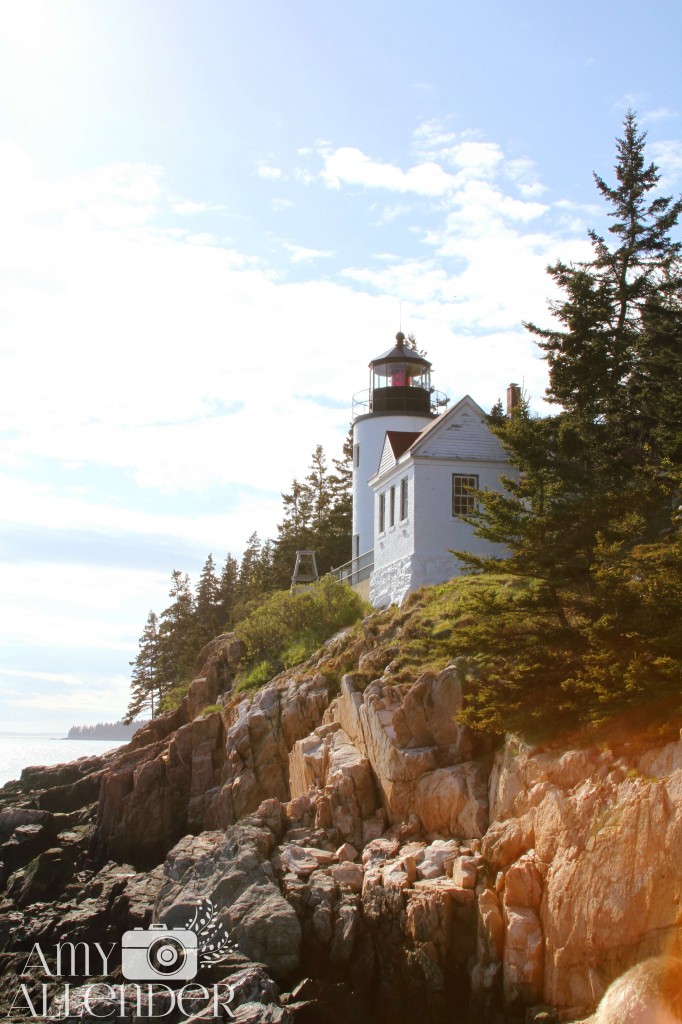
point(400, 398)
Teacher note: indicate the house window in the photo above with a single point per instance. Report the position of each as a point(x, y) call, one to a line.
point(356, 455)
point(403, 499)
point(356, 545)
point(391, 508)
point(382, 512)
point(463, 499)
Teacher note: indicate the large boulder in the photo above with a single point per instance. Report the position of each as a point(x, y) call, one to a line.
point(339, 779)
point(420, 757)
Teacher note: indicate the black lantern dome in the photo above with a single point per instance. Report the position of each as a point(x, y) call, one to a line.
point(400, 381)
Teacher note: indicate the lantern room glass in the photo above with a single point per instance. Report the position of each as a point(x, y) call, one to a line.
point(398, 374)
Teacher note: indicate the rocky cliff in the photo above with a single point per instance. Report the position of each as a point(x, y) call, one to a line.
point(371, 859)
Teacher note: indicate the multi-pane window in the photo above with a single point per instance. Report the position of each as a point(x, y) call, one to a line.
point(391, 507)
point(403, 499)
point(382, 512)
point(463, 498)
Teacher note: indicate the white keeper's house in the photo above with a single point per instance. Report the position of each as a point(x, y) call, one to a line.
point(415, 463)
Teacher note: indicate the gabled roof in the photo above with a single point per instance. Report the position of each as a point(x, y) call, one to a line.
point(459, 433)
point(442, 422)
point(400, 440)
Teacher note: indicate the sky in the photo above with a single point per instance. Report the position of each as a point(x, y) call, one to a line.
point(213, 214)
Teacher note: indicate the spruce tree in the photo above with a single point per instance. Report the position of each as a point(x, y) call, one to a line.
point(318, 489)
point(294, 533)
point(207, 609)
point(228, 593)
point(178, 641)
point(602, 469)
point(339, 524)
point(145, 682)
point(249, 586)
point(592, 359)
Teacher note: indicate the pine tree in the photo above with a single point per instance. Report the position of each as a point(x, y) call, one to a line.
point(249, 588)
point(592, 360)
point(294, 533)
point(318, 489)
point(178, 640)
point(265, 570)
point(206, 606)
point(228, 593)
point(596, 472)
point(339, 522)
point(145, 681)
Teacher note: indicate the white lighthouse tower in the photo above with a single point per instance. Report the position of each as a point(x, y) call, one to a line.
point(400, 398)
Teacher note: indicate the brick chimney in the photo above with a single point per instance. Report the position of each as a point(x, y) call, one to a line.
point(513, 398)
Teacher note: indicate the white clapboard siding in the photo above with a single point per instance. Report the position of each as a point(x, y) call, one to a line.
point(387, 457)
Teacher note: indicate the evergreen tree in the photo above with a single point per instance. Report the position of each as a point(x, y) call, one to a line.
point(294, 533)
point(318, 489)
point(318, 516)
point(338, 528)
point(601, 470)
point(207, 610)
point(145, 681)
point(227, 593)
point(178, 640)
point(265, 570)
point(592, 360)
point(249, 586)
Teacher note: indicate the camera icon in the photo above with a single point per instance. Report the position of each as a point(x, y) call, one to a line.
point(159, 954)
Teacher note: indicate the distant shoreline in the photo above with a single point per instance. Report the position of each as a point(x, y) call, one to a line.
point(87, 739)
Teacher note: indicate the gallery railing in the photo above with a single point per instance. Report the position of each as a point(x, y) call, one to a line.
point(357, 570)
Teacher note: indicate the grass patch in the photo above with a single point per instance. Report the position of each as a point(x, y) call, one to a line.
point(211, 709)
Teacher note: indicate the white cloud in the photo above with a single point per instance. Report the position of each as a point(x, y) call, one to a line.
point(72, 605)
point(474, 159)
point(431, 137)
point(104, 695)
point(391, 213)
point(350, 166)
point(268, 172)
point(658, 114)
point(25, 25)
point(42, 506)
point(43, 677)
point(299, 254)
point(303, 176)
point(524, 173)
point(474, 186)
point(188, 206)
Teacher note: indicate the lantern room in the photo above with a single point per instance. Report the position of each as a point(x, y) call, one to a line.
point(400, 380)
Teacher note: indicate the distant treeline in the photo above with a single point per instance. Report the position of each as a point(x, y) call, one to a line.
point(104, 731)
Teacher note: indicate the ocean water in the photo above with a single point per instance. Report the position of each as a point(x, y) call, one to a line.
point(19, 750)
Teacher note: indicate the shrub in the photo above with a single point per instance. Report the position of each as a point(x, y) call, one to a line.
point(286, 628)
